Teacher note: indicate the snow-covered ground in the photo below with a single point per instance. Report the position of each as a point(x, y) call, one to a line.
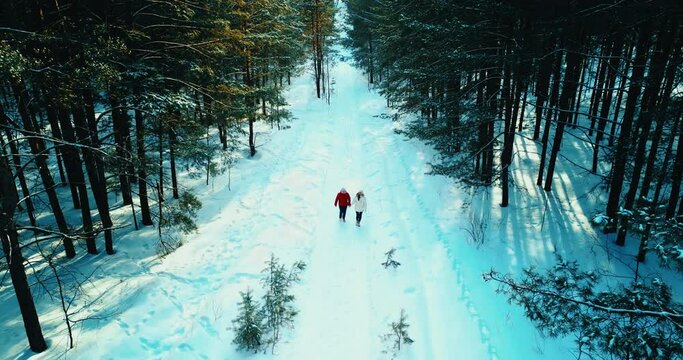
point(281, 203)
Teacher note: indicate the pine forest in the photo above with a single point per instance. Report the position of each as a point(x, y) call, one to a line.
point(168, 172)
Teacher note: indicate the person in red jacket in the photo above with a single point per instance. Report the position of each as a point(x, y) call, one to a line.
point(344, 200)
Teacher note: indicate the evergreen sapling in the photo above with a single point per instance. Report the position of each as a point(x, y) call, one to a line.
point(248, 324)
point(390, 259)
point(397, 335)
point(278, 303)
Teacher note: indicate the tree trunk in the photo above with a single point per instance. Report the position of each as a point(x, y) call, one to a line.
point(676, 177)
point(645, 237)
point(38, 150)
point(649, 101)
point(317, 63)
point(453, 113)
point(555, 91)
point(142, 164)
point(611, 75)
point(53, 119)
point(544, 151)
point(523, 106)
point(571, 78)
point(598, 85)
point(172, 138)
point(579, 97)
point(98, 185)
point(121, 132)
point(620, 96)
point(15, 261)
point(60, 167)
point(371, 60)
point(492, 88)
point(74, 171)
point(263, 97)
point(16, 158)
point(661, 110)
point(94, 137)
point(222, 135)
point(510, 116)
point(544, 72)
point(481, 131)
point(249, 81)
point(160, 139)
point(621, 151)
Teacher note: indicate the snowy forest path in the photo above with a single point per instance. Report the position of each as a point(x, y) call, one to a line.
point(281, 203)
point(349, 300)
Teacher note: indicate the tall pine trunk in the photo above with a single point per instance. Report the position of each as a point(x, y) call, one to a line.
point(121, 129)
point(611, 74)
point(492, 89)
point(523, 106)
point(38, 150)
point(650, 96)
point(510, 116)
point(142, 163)
point(172, 139)
point(74, 171)
point(555, 90)
point(544, 71)
point(15, 261)
point(598, 85)
point(624, 141)
point(55, 127)
point(660, 113)
point(570, 84)
point(16, 159)
point(676, 177)
point(249, 81)
point(98, 185)
point(546, 127)
point(645, 237)
point(620, 95)
point(577, 108)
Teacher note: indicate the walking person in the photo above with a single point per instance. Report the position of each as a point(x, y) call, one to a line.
point(344, 200)
point(361, 204)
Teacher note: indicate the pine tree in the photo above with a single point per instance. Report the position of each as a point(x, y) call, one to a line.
point(398, 335)
point(248, 324)
point(636, 321)
point(390, 259)
point(278, 301)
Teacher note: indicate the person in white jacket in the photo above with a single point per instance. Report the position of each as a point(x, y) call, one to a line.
point(360, 204)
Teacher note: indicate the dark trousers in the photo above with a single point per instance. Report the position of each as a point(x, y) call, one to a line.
point(342, 212)
point(359, 215)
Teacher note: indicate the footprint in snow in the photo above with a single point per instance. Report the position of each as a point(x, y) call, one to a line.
point(185, 347)
point(206, 324)
point(124, 326)
point(484, 332)
point(150, 344)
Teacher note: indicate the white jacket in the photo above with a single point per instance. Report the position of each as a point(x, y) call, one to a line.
point(360, 204)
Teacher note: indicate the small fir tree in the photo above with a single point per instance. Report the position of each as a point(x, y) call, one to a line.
point(278, 303)
point(248, 324)
point(390, 259)
point(397, 335)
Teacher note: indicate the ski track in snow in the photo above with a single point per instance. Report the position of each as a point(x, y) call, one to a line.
point(281, 203)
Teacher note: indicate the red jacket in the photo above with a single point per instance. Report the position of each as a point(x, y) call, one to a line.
point(344, 199)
